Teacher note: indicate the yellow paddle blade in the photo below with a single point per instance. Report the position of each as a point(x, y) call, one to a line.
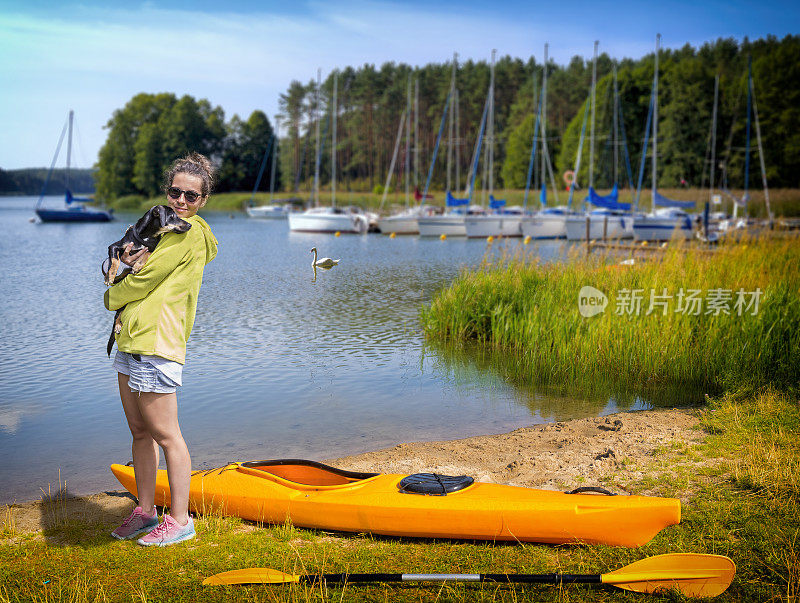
point(693, 574)
point(251, 575)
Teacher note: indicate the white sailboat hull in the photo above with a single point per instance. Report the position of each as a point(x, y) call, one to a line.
point(451, 225)
point(544, 226)
point(398, 225)
point(404, 222)
point(655, 228)
point(314, 220)
point(268, 212)
point(493, 225)
point(619, 227)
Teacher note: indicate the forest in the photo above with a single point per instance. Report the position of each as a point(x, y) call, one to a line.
point(152, 129)
point(31, 181)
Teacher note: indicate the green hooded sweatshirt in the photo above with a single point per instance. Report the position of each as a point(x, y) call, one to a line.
point(161, 299)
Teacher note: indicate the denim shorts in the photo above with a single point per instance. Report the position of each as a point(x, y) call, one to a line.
point(143, 376)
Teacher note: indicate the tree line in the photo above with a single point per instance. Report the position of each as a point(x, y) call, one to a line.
point(151, 130)
point(30, 181)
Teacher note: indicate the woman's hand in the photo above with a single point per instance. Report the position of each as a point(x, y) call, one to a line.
point(131, 258)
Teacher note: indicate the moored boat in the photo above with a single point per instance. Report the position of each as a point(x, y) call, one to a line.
point(662, 225)
point(313, 495)
point(500, 223)
point(279, 209)
point(670, 220)
point(615, 224)
point(329, 219)
point(74, 212)
point(406, 222)
point(549, 223)
point(75, 209)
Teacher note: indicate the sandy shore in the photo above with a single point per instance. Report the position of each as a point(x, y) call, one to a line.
point(558, 456)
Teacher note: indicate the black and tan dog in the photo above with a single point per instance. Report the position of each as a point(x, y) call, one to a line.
point(145, 234)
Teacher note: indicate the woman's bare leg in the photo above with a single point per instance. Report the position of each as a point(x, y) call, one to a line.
point(160, 414)
point(144, 448)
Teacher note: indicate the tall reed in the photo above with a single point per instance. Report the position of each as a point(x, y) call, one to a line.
point(530, 309)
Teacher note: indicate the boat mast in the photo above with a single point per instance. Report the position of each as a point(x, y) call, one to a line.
point(543, 124)
point(316, 163)
point(69, 146)
point(408, 140)
point(390, 173)
point(333, 138)
point(616, 123)
point(591, 132)
point(457, 141)
point(416, 133)
point(655, 122)
point(761, 154)
point(491, 127)
point(713, 138)
point(450, 123)
point(746, 196)
point(274, 162)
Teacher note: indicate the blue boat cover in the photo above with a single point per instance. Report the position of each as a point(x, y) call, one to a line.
point(70, 199)
point(496, 203)
point(662, 201)
point(543, 196)
point(453, 202)
point(609, 201)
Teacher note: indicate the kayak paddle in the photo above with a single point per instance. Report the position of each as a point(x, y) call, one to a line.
point(693, 575)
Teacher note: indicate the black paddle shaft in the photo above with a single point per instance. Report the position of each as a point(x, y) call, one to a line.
point(507, 578)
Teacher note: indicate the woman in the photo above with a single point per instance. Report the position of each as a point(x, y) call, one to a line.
point(160, 303)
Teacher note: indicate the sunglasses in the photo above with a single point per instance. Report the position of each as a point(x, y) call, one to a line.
point(175, 193)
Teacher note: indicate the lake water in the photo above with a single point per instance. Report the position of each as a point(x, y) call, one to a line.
point(278, 365)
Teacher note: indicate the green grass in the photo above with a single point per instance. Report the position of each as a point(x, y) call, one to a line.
point(528, 311)
point(737, 501)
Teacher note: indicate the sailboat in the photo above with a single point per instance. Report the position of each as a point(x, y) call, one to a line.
point(451, 222)
point(548, 222)
point(670, 220)
point(610, 218)
point(405, 221)
point(277, 209)
point(752, 113)
point(499, 220)
point(329, 219)
point(75, 209)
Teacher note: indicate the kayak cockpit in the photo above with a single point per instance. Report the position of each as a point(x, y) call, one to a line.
point(308, 473)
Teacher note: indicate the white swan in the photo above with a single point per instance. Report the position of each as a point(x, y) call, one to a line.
point(326, 263)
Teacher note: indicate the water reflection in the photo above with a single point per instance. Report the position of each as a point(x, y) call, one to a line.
point(472, 363)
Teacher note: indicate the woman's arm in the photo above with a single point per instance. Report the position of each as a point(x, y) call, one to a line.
point(171, 250)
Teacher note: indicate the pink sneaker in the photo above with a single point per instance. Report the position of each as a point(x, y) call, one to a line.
point(136, 523)
point(168, 532)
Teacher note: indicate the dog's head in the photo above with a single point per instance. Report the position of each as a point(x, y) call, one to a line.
point(166, 220)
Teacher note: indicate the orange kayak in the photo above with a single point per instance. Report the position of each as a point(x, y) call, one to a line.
point(312, 495)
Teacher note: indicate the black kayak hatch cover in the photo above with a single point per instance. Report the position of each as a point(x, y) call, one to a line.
point(434, 484)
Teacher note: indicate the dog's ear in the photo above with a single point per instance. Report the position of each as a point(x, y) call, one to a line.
point(162, 213)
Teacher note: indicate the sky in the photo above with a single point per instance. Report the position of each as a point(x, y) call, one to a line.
point(93, 56)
